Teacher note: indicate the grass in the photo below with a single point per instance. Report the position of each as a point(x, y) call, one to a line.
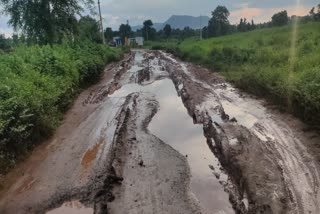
point(261, 62)
point(37, 85)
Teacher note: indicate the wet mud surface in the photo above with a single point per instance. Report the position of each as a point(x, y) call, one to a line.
point(158, 135)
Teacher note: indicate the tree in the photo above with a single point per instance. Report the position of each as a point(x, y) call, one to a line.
point(245, 26)
point(4, 43)
point(219, 24)
point(108, 33)
point(188, 32)
point(205, 32)
point(315, 15)
point(167, 30)
point(280, 19)
point(147, 30)
point(88, 28)
point(44, 21)
point(125, 31)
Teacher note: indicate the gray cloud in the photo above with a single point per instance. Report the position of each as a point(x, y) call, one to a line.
point(116, 12)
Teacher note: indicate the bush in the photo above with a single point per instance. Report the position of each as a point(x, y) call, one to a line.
point(37, 85)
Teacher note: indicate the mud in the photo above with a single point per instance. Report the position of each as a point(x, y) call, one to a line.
point(259, 150)
point(157, 135)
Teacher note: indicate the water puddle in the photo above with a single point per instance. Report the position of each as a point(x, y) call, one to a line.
point(71, 207)
point(174, 126)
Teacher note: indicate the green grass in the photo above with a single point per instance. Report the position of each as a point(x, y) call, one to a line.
point(259, 62)
point(37, 85)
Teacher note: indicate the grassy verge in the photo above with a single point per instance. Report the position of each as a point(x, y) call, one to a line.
point(263, 62)
point(37, 85)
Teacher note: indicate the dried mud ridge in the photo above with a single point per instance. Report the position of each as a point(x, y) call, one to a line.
point(99, 190)
point(99, 93)
point(140, 173)
point(253, 165)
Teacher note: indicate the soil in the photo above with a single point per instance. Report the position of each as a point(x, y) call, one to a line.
point(157, 135)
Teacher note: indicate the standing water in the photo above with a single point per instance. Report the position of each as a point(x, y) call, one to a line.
point(174, 126)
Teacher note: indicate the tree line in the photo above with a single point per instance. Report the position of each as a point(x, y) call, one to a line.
point(219, 25)
point(50, 22)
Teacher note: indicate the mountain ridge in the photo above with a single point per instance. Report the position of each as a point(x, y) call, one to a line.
point(180, 22)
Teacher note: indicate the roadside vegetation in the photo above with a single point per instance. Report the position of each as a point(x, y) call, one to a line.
point(43, 67)
point(268, 62)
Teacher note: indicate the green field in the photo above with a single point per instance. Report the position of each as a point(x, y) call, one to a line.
point(37, 85)
point(264, 62)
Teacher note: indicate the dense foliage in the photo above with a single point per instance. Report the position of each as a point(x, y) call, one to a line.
point(315, 13)
point(45, 21)
point(262, 62)
point(219, 24)
point(37, 84)
point(280, 19)
point(5, 44)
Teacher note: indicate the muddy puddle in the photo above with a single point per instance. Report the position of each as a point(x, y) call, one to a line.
point(72, 207)
point(174, 126)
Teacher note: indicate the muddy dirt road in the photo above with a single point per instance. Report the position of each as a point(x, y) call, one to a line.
point(157, 135)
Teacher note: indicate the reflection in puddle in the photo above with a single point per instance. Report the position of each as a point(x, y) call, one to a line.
point(73, 207)
point(174, 126)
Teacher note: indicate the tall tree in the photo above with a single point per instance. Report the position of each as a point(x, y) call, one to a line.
point(44, 21)
point(125, 31)
point(280, 19)
point(219, 24)
point(245, 26)
point(4, 43)
point(89, 28)
point(147, 29)
point(167, 30)
point(315, 13)
point(108, 33)
point(205, 32)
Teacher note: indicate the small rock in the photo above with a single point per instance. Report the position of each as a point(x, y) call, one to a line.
point(233, 120)
point(141, 163)
point(217, 175)
point(211, 167)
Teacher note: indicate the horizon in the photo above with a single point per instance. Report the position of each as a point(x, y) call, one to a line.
point(115, 13)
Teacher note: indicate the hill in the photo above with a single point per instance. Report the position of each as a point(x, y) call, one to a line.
point(180, 22)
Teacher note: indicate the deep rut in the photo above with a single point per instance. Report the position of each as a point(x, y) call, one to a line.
point(157, 135)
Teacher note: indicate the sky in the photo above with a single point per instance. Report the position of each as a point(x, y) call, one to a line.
point(115, 12)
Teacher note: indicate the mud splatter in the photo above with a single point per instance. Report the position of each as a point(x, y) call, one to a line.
point(91, 154)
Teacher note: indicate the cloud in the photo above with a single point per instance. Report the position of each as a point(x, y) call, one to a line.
point(264, 14)
point(4, 28)
point(115, 12)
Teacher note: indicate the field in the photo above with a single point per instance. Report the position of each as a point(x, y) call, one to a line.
point(37, 85)
point(264, 62)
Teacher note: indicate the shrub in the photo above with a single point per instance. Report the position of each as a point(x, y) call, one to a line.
point(37, 85)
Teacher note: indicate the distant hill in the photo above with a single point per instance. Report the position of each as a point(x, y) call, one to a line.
point(180, 22)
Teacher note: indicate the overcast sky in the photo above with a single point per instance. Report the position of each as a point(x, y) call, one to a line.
point(115, 12)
